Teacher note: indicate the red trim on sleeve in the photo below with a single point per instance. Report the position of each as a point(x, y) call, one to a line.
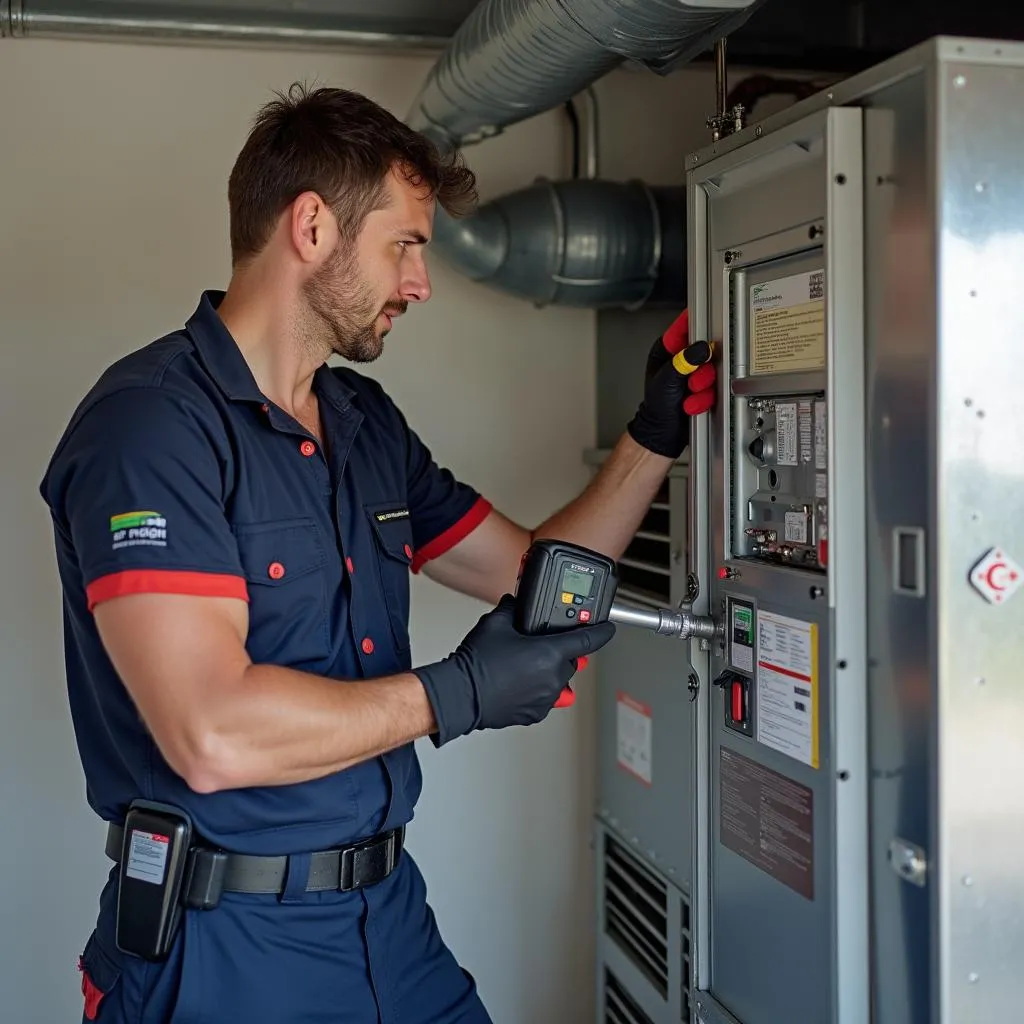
point(457, 532)
point(165, 581)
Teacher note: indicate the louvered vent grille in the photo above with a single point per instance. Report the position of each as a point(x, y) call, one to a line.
point(619, 1006)
point(645, 569)
point(636, 913)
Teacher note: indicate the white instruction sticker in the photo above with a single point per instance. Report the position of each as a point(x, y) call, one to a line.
point(796, 527)
point(787, 318)
point(786, 441)
point(147, 857)
point(634, 737)
point(787, 686)
point(806, 428)
point(820, 485)
point(820, 435)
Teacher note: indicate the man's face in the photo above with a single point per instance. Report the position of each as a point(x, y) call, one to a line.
point(361, 288)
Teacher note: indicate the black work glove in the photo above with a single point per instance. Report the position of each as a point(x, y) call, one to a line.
point(498, 677)
point(678, 383)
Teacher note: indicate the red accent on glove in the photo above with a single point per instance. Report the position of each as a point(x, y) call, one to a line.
point(677, 337)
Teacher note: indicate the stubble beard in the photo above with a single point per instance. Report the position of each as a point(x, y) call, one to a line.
point(343, 310)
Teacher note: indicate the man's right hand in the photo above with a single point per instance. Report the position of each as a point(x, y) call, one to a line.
point(498, 677)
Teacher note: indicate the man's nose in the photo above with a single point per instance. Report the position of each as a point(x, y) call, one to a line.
point(416, 281)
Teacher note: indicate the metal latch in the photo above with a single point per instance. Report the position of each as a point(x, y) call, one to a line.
point(909, 861)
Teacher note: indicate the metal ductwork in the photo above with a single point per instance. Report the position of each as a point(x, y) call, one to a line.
point(395, 25)
point(589, 243)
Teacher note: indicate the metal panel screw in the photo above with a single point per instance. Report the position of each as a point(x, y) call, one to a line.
point(973, 977)
point(960, 81)
point(757, 132)
point(968, 881)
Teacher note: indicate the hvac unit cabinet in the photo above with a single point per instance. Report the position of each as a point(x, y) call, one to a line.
point(832, 832)
point(644, 819)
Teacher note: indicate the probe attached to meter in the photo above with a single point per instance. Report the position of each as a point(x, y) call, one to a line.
point(562, 586)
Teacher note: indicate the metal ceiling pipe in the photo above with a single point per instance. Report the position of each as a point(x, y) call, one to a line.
point(584, 243)
point(213, 23)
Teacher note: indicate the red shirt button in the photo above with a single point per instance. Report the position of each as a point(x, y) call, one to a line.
point(349, 565)
point(275, 570)
point(307, 448)
point(408, 551)
point(367, 645)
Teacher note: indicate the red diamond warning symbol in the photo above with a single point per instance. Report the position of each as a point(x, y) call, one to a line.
point(997, 576)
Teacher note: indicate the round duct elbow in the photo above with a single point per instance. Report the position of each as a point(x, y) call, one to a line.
point(586, 243)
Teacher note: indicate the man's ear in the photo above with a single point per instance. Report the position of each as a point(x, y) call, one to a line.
point(313, 228)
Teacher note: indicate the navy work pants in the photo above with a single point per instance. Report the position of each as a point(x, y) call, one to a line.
point(373, 956)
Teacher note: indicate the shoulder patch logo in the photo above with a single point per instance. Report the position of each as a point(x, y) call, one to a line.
point(134, 529)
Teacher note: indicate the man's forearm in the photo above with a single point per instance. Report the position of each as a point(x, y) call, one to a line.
point(607, 514)
point(280, 726)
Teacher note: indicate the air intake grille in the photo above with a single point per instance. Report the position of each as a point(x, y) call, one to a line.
point(619, 1006)
point(636, 913)
point(645, 569)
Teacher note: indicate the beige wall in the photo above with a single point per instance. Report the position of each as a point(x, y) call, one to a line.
point(112, 218)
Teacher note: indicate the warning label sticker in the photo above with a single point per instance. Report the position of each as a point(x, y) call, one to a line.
point(787, 324)
point(147, 857)
point(768, 820)
point(787, 686)
point(633, 734)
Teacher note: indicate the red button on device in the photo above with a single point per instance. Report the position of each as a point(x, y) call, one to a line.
point(367, 646)
point(737, 702)
point(584, 615)
point(275, 570)
point(307, 448)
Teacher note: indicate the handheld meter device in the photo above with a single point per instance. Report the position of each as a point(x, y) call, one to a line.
point(562, 586)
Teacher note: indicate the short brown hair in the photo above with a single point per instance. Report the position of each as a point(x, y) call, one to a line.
point(340, 145)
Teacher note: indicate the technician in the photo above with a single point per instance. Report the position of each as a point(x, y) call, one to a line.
point(235, 525)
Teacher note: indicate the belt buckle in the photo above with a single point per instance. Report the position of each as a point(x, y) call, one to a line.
point(366, 863)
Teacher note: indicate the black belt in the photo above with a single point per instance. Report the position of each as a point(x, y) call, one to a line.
point(211, 872)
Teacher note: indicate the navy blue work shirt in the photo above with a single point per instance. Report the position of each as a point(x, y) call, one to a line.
point(176, 475)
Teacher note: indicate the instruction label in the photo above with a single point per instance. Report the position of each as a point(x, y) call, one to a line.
point(742, 640)
point(147, 857)
point(768, 820)
point(796, 527)
point(787, 324)
point(787, 686)
point(633, 732)
point(786, 434)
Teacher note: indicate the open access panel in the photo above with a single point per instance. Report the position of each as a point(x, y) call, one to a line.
point(859, 815)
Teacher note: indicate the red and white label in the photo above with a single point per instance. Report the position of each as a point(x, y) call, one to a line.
point(633, 734)
point(997, 576)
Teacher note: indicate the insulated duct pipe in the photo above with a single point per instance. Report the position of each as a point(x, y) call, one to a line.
point(596, 244)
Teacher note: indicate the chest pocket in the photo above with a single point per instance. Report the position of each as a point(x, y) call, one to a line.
point(392, 531)
point(285, 567)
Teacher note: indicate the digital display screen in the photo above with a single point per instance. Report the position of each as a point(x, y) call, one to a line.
point(575, 582)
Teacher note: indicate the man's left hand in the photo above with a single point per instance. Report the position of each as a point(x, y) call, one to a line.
point(679, 383)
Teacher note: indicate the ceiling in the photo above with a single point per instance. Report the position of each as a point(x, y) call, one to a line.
point(823, 35)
